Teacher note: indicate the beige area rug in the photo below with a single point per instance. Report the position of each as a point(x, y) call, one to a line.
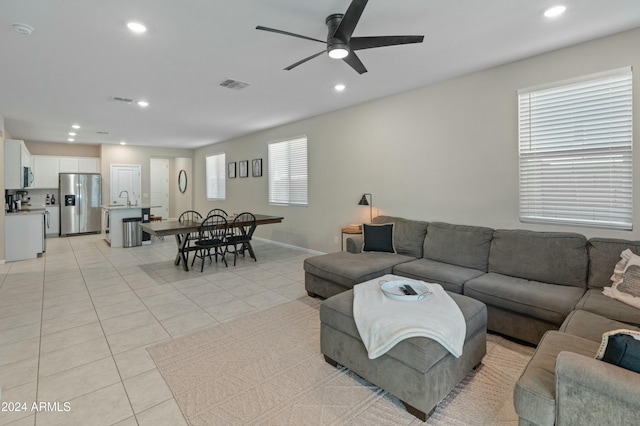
point(267, 369)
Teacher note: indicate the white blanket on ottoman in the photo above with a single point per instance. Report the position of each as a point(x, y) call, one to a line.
point(383, 322)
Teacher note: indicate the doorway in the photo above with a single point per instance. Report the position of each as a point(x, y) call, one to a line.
point(126, 178)
point(159, 187)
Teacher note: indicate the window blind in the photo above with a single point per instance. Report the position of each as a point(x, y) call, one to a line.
point(575, 152)
point(288, 172)
point(215, 171)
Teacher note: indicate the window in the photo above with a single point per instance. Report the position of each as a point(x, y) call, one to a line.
point(288, 172)
point(215, 171)
point(575, 143)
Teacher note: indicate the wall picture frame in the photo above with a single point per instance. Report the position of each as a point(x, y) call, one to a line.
point(256, 167)
point(231, 170)
point(244, 168)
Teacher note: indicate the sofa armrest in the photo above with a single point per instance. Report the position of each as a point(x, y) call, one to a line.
point(589, 391)
point(354, 244)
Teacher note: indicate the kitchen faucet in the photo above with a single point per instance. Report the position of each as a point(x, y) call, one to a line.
point(128, 202)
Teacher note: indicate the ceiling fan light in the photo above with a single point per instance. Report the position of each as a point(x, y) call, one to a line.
point(338, 52)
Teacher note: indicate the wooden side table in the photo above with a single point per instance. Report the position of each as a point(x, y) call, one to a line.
point(349, 230)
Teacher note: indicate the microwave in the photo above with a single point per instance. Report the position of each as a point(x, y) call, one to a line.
point(27, 177)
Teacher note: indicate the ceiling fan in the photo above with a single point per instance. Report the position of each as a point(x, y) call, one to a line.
point(340, 44)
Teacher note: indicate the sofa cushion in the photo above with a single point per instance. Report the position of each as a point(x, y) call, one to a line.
point(535, 394)
point(548, 257)
point(548, 302)
point(596, 302)
point(378, 238)
point(460, 245)
point(337, 312)
point(591, 326)
point(604, 254)
point(408, 234)
point(347, 269)
point(451, 277)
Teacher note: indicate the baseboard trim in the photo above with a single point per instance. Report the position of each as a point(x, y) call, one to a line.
point(306, 250)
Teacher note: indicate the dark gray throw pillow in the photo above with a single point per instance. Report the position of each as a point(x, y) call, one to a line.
point(620, 348)
point(378, 238)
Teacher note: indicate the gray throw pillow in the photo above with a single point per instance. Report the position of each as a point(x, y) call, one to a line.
point(378, 238)
point(631, 281)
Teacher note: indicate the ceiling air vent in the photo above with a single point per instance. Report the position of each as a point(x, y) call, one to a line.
point(119, 99)
point(230, 83)
point(102, 132)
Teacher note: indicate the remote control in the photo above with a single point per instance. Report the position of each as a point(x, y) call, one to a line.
point(409, 291)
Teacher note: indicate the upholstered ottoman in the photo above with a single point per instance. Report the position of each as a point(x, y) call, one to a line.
point(418, 371)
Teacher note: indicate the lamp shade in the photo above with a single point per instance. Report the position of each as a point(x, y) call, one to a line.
point(363, 201)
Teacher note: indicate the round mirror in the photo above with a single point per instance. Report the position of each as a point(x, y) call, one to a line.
point(182, 181)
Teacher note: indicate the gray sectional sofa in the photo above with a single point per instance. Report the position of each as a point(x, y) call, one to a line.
point(544, 288)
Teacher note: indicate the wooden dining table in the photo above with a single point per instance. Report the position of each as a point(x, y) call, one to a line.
point(181, 231)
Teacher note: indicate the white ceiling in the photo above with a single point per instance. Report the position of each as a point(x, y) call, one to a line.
point(81, 54)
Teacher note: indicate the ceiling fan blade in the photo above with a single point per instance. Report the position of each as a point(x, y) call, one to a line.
point(359, 43)
point(350, 20)
point(355, 63)
point(290, 67)
point(273, 30)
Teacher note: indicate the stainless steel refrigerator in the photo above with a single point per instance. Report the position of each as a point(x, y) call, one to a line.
point(80, 203)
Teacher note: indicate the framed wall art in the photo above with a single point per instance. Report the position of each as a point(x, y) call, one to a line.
point(244, 168)
point(231, 170)
point(256, 167)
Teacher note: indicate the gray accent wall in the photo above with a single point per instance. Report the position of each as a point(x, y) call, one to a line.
point(445, 152)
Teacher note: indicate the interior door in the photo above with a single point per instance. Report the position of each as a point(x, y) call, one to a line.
point(159, 187)
point(126, 178)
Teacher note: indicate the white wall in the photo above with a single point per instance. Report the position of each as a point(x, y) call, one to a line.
point(2, 136)
point(445, 152)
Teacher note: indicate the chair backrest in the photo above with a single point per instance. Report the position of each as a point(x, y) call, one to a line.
point(243, 226)
point(214, 227)
point(218, 211)
point(190, 216)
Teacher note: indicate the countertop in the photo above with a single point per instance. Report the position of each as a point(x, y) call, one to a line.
point(123, 207)
point(26, 211)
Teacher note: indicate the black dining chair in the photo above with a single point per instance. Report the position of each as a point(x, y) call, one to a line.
point(211, 235)
point(189, 216)
point(218, 211)
point(240, 235)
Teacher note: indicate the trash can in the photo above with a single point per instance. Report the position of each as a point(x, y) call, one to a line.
point(132, 232)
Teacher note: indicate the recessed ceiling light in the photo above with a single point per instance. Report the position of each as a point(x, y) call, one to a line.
point(72, 133)
point(143, 103)
point(23, 29)
point(76, 126)
point(554, 11)
point(70, 140)
point(339, 87)
point(136, 27)
point(123, 143)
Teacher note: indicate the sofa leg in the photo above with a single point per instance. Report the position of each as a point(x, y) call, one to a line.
point(311, 294)
point(330, 361)
point(421, 415)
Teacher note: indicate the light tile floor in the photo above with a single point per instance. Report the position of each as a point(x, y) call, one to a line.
point(75, 324)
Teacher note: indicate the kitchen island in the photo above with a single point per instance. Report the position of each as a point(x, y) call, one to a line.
point(112, 216)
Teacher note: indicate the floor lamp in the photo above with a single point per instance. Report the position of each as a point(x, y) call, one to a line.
point(364, 202)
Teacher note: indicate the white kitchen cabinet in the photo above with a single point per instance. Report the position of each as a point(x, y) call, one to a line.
point(52, 226)
point(25, 156)
point(16, 157)
point(47, 167)
point(68, 165)
point(23, 235)
point(88, 165)
point(45, 170)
